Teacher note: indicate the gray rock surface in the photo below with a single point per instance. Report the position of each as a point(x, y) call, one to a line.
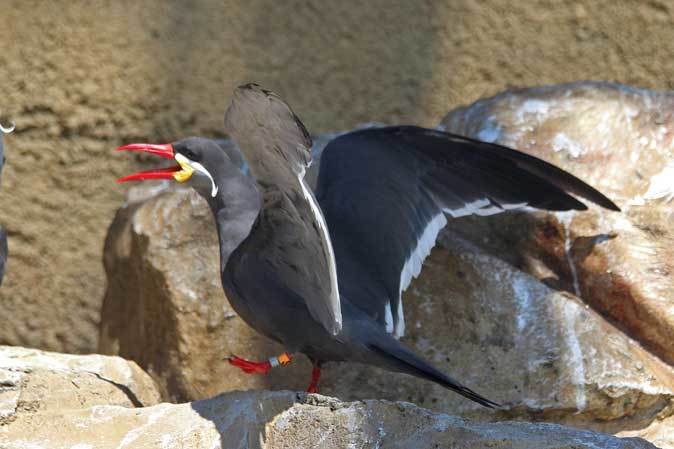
point(621, 140)
point(35, 384)
point(659, 432)
point(283, 419)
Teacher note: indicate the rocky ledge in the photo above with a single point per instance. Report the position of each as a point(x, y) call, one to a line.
point(89, 405)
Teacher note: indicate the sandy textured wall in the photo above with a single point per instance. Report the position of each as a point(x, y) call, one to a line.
point(80, 77)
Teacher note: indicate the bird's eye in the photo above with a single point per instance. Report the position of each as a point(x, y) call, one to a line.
point(190, 154)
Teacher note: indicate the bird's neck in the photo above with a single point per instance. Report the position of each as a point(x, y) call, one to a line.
point(235, 209)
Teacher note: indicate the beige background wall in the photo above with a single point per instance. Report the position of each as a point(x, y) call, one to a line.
point(80, 77)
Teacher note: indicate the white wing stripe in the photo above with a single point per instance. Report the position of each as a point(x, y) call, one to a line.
point(400, 325)
point(425, 244)
point(492, 210)
point(332, 266)
point(414, 262)
point(388, 318)
point(468, 209)
point(482, 207)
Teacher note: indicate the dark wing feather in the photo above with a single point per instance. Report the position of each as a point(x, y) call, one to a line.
point(277, 146)
point(384, 192)
point(3, 234)
point(3, 252)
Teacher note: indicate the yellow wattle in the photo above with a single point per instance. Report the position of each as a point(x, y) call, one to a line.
point(184, 174)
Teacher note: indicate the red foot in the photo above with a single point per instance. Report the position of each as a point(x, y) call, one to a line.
point(315, 376)
point(249, 367)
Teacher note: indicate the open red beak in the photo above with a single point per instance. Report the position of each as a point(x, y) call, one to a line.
point(165, 150)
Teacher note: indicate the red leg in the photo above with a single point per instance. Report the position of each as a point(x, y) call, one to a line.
point(315, 376)
point(250, 367)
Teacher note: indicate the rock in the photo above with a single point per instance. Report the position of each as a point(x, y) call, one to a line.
point(620, 140)
point(34, 382)
point(541, 352)
point(283, 419)
point(659, 432)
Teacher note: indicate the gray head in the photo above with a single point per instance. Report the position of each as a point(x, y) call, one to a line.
point(201, 164)
point(268, 132)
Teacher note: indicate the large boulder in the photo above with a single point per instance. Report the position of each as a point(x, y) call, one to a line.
point(620, 140)
point(35, 384)
point(659, 432)
point(283, 419)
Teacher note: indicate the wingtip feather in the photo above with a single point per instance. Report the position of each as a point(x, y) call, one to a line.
point(550, 172)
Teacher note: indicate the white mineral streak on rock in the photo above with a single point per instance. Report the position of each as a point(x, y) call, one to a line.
point(562, 142)
point(489, 131)
point(525, 312)
point(533, 107)
point(133, 435)
point(566, 219)
point(662, 184)
point(575, 360)
point(10, 381)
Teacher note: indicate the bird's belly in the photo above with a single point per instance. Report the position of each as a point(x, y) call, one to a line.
point(287, 323)
point(253, 316)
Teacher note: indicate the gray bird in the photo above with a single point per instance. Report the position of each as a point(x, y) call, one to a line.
point(4, 249)
point(323, 274)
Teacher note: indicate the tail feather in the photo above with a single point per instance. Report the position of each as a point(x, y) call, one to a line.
point(406, 361)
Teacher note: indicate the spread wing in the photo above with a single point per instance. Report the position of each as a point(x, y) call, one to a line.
point(385, 192)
